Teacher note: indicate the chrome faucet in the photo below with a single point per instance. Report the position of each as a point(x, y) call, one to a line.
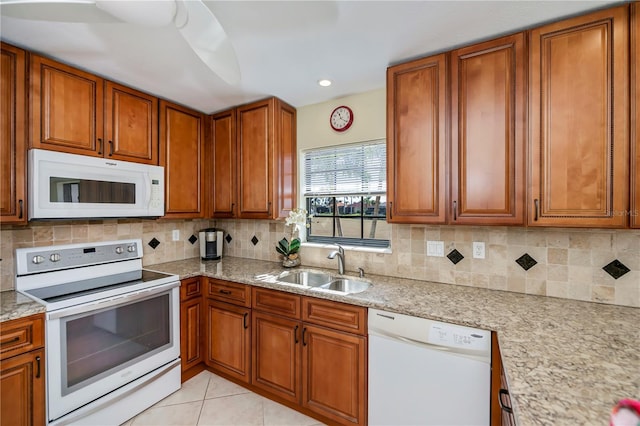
point(340, 254)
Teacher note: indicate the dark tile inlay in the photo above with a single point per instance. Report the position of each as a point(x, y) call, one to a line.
point(455, 256)
point(228, 238)
point(193, 239)
point(526, 262)
point(254, 240)
point(154, 243)
point(616, 269)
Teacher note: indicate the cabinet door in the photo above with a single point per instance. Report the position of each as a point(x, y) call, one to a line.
point(487, 133)
point(229, 339)
point(13, 141)
point(22, 393)
point(190, 334)
point(131, 125)
point(579, 107)
point(334, 377)
point(276, 355)
point(416, 141)
point(286, 155)
point(181, 150)
point(634, 212)
point(66, 108)
point(255, 160)
point(224, 163)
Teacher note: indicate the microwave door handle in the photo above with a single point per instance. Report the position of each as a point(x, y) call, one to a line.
point(147, 184)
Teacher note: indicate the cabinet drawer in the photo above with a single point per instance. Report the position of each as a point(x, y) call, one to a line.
point(276, 302)
point(238, 294)
point(21, 335)
point(190, 288)
point(336, 315)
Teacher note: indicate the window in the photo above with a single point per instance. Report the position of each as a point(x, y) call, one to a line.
point(345, 191)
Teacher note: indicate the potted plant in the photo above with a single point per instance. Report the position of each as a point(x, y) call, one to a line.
point(296, 220)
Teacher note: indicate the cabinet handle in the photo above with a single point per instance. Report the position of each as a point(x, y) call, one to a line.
point(14, 339)
point(390, 210)
point(110, 148)
point(269, 208)
point(244, 320)
point(502, 392)
point(37, 367)
point(225, 292)
point(20, 209)
point(233, 207)
point(100, 146)
point(455, 210)
point(295, 335)
point(304, 333)
point(536, 212)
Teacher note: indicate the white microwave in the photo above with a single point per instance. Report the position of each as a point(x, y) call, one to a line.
point(65, 186)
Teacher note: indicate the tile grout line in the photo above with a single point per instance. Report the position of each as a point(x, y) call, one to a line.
point(204, 398)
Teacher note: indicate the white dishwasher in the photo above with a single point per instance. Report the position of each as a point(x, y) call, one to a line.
point(424, 372)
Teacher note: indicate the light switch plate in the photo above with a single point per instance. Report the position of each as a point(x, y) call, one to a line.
point(175, 235)
point(435, 248)
point(478, 250)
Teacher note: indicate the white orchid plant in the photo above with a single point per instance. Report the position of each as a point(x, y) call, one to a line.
point(297, 220)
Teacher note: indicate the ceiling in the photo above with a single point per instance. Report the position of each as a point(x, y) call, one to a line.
point(283, 47)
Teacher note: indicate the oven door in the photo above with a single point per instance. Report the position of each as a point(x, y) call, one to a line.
point(95, 348)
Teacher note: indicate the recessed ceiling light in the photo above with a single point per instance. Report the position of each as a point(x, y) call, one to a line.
point(324, 83)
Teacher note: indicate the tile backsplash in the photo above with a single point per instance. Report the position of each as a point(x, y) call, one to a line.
point(568, 262)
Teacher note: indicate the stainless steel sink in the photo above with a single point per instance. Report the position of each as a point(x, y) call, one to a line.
point(305, 278)
point(346, 286)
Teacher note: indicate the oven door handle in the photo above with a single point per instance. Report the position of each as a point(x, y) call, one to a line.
point(112, 301)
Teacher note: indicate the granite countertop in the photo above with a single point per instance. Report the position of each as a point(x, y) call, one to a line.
point(14, 305)
point(567, 362)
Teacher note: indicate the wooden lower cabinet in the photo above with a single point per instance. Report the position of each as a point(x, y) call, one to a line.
point(501, 411)
point(276, 355)
point(229, 339)
point(22, 394)
point(190, 333)
point(334, 368)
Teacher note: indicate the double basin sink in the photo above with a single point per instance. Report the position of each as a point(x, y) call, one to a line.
point(322, 281)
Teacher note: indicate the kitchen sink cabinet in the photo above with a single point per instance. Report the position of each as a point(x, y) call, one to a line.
point(181, 151)
point(223, 148)
point(634, 212)
point(579, 121)
point(13, 139)
point(191, 328)
point(22, 375)
point(488, 106)
point(79, 113)
point(416, 141)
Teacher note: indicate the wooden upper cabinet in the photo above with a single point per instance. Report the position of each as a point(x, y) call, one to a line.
point(66, 111)
point(266, 156)
point(131, 125)
point(416, 141)
point(634, 211)
point(488, 133)
point(181, 151)
point(223, 148)
point(13, 141)
point(579, 104)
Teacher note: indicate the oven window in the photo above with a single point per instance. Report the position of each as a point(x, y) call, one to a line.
point(70, 190)
point(102, 342)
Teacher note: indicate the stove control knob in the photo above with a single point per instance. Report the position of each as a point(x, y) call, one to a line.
point(119, 250)
point(131, 248)
point(55, 257)
point(37, 259)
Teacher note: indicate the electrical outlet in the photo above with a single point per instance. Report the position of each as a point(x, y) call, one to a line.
point(175, 235)
point(478, 250)
point(435, 248)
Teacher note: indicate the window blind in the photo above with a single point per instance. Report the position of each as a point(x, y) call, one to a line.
point(355, 169)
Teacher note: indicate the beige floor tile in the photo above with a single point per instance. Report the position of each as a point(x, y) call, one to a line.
point(175, 415)
point(193, 389)
point(278, 415)
point(222, 387)
point(245, 409)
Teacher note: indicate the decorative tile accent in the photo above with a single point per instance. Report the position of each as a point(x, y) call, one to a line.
point(154, 243)
point(455, 256)
point(228, 238)
point(616, 269)
point(526, 262)
point(193, 239)
point(254, 240)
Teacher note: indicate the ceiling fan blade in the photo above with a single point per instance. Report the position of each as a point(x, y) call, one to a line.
point(148, 13)
point(75, 11)
point(208, 40)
